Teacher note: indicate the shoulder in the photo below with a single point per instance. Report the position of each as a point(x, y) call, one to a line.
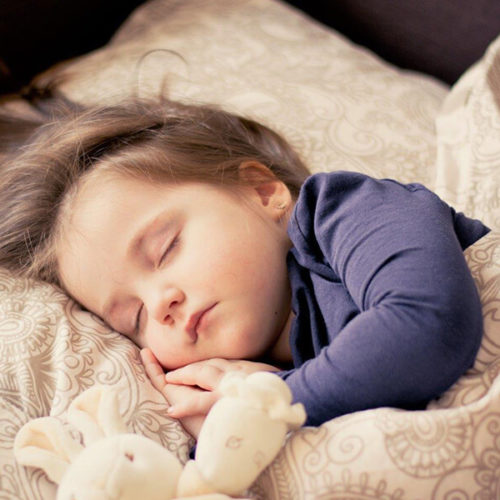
point(344, 180)
point(333, 180)
point(349, 200)
point(325, 198)
point(330, 189)
point(327, 188)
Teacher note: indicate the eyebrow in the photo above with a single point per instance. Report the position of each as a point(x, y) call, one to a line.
point(137, 241)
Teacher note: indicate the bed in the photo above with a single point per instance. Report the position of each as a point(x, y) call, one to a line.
point(342, 107)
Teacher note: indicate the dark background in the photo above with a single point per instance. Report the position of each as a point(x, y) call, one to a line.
point(439, 37)
point(34, 34)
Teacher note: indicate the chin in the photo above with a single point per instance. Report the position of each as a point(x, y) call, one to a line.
point(252, 351)
point(251, 343)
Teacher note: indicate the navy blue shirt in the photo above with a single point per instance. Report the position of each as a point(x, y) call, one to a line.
point(387, 312)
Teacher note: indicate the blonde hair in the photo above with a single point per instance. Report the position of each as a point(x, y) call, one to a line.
point(159, 141)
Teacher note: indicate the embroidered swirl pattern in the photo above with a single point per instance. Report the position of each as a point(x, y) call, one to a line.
point(342, 108)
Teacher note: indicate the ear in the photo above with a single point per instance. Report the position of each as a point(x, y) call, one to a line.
point(46, 444)
point(95, 413)
point(271, 193)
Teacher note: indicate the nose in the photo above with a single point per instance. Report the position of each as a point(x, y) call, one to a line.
point(165, 307)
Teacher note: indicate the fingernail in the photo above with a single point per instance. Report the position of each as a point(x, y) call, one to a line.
point(170, 410)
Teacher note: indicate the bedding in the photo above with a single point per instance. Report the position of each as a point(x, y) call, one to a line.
point(342, 107)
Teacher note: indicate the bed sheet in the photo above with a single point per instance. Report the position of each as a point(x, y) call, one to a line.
point(342, 108)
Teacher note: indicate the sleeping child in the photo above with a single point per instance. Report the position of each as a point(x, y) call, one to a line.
point(202, 237)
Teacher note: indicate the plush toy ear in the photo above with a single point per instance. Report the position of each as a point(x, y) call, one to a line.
point(95, 413)
point(46, 444)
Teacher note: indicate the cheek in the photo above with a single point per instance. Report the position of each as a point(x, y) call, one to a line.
point(215, 262)
point(165, 350)
point(249, 262)
point(169, 359)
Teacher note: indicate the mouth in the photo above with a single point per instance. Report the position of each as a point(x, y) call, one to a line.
point(196, 321)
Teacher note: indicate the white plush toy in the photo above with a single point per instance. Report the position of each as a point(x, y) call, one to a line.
point(240, 437)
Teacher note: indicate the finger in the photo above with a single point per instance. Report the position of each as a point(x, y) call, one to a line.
point(193, 424)
point(197, 405)
point(177, 393)
point(203, 375)
point(153, 369)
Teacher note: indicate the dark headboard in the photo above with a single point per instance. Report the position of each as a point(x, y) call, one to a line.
point(34, 34)
point(439, 37)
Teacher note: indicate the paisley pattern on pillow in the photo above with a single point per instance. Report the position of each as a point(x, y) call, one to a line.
point(342, 108)
point(468, 147)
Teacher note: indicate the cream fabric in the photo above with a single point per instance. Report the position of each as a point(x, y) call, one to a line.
point(343, 108)
point(468, 131)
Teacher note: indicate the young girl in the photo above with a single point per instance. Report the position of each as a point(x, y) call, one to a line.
point(192, 232)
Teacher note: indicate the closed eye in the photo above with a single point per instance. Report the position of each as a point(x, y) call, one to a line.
point(169, 249)
point(137, 327)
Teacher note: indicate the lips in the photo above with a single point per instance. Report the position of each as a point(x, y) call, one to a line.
point(195, 321)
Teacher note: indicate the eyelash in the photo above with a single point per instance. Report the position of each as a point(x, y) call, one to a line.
point(138, 320)
point(170, 247)
point(165, 254)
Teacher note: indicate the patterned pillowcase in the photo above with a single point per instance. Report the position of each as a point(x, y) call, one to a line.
point(342, 108)
point(468, 141)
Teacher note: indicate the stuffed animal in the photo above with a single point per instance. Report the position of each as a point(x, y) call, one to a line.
point(241, 435)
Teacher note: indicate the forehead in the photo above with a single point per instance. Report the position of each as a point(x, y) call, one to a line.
point(105, 206)
point(101, 219)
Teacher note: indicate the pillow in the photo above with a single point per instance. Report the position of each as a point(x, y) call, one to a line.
point(468, 141)
point(341, 106)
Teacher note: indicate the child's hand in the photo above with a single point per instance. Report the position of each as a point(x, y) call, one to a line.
point(174, 394)
point(206, 375)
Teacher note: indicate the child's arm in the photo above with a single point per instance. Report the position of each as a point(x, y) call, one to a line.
point(395, 251)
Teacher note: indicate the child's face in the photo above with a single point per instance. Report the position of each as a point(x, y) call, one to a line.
point(187, 270)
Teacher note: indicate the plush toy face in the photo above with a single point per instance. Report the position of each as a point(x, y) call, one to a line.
point(124, 467)
point(253, 440)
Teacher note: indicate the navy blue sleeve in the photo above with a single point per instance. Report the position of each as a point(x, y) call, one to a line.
point(396, 250)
